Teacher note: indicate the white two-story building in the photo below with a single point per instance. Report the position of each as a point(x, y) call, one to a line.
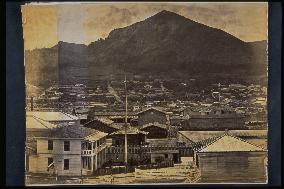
point(69, 151)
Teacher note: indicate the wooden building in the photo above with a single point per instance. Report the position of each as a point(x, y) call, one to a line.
point(230, 159)
point(160, 156)
point(213, 122)
point(103, 125)
point(135, 140)
point(152, 115)
point(63, 151)
point(155, 130)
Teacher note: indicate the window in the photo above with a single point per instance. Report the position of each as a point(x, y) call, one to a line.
point(166, 156)
point(66, 145)
point(50, 145)
point(89, 146)
point(49, 161)
point(98, 143)
point(66, 164)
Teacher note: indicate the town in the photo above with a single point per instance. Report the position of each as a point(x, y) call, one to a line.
point(146, 130)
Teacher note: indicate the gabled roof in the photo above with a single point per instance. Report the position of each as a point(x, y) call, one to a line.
point(228, 143)
point(155, 124)
point(106, 123)
point(152, 108)
point(33, 122)
point(52, 116)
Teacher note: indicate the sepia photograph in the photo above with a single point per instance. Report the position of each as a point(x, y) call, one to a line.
point(145, 93)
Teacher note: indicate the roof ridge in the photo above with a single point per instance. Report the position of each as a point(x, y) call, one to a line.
point(228, 134)
point(214, 139)
point(238, 138)
point(40, 121)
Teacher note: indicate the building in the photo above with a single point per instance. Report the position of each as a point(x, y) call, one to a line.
point(213, 122)
point(230, 159)
point(152, 115)
point(155, 130)
point(212, 117)
point(81, 113)
point(35, 128)
point(102, 124)
point(56, 118)
point(256, 137)
point(116, 117)
point(164, 156)
point(69, 151)
point(135, 140)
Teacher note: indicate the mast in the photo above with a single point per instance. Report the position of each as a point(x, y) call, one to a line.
point(219, 85)
point(125, 133)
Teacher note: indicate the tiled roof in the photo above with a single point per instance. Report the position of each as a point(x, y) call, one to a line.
point(156, 124)
point(52, 116)
point(73, 131)
point(33, 122)
point(152, 108)
point(130, 131)
point(117, 125)
point(108, 113)
point(104, 120)
point(197, 136)
point(96, 136)
point(228, 143)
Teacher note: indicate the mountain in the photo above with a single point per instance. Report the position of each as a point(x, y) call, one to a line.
point(163, 45)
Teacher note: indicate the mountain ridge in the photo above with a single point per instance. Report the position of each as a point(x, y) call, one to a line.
point(163, 44)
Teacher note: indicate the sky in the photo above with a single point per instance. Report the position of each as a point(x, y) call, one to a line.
point(82, 23)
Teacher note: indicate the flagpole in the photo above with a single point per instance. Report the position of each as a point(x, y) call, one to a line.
point(125, 135)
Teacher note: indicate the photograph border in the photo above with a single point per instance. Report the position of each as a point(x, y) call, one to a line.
point(15, 96)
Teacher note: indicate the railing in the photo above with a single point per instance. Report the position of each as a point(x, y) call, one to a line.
point(86, 152)
point(120, 149)
point(93, 151)
point(185, 150)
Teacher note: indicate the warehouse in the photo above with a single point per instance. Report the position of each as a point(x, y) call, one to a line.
point(231, 159)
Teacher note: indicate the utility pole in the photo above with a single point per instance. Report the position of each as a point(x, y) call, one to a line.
point(125, 134)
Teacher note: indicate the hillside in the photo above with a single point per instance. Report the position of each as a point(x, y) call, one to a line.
point(164, 45)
